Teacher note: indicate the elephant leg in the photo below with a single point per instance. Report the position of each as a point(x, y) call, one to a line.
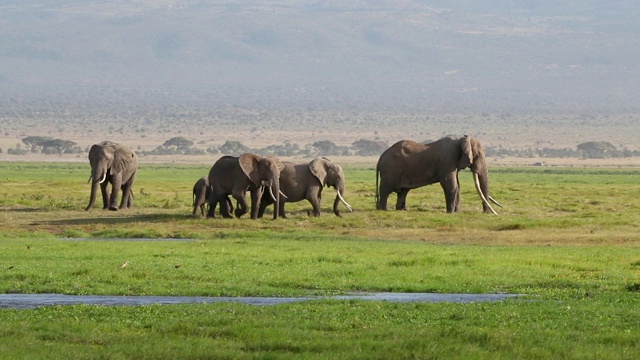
point(256, 194)
point(126, 201)
point(385, 191)
point(264, 202)
point(229, 204)
point(104, 190)
point(314, 197)
point(242, 207)
point(281, 209)
point(456, 200)
point(130, 200)
point(213, 201)
point(199, 201)
point(401, 202)
point(451, 193)
point(224, 207)
point(113, 199)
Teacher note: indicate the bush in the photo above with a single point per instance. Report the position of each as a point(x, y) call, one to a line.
point(13, 151)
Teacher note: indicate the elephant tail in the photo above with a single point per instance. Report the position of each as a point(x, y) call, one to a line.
point(377, 188)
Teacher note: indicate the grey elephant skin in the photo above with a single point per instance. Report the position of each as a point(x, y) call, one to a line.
point(305, 182)
point(201, 193)
point(408, 164)
point(235, 176)
point(113, 164)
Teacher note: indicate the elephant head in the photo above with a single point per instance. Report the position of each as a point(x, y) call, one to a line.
point(112, 163)
point(330, 174)
point(472, 156)
point(262, 171)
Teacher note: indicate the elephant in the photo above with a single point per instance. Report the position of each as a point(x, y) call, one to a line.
point(235, 175)
point(305, 181)
point(407, 165)
point(113, 164)
point(201, 192)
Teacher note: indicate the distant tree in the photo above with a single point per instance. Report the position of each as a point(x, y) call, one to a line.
point(34, 143)
point(364, 147)
point(327, 148)
point(180, 144)
point(596, 149)
point(233, 148)
point(287, 149)
point(57, 145)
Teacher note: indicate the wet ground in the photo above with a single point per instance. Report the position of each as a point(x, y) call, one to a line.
point(31, 301)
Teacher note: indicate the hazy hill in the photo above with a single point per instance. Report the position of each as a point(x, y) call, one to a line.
point(443, 56)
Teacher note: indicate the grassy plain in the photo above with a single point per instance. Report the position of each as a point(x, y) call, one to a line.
point(567, 239)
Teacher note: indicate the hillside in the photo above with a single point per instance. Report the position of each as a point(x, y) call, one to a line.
point(516, 73)
point(409, 55)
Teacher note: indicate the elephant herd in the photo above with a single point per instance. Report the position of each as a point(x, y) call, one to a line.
point(404, 166)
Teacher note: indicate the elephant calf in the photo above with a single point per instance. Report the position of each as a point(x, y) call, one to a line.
point(201, 193)
point(306, 181)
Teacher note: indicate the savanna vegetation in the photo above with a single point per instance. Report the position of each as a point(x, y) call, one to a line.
point(567, 240)
point(180, 145)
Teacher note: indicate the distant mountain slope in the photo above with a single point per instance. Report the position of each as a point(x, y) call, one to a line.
point(411, 55)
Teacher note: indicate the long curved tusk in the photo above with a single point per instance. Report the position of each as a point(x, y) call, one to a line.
point(104, 177)
point(283, 195)
point(271, 193)
point(344, 202)
point(494, 201)
point(476, 181)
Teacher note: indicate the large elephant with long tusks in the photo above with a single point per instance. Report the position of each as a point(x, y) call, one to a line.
point(237, 175)
point(306, 181)
point(407, 165)
point(113, 164)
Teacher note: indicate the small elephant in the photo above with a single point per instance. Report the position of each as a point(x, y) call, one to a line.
point(407, 165)
point(235, 175)
point(306, 181)
point(113, 164)
point(201, 193)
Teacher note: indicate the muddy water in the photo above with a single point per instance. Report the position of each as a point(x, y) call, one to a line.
point(31, 301)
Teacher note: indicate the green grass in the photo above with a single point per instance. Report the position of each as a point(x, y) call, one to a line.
point(567, 239)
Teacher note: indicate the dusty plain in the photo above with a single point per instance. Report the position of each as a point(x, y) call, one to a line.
point(257, 129)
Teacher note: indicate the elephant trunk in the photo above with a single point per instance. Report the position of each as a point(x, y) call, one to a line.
point(275, 188)
point(92, 198)
point(98, 176)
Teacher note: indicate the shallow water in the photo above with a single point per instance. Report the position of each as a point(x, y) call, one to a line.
point(31, 301)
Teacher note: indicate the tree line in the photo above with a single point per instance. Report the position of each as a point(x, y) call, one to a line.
point(182, 146)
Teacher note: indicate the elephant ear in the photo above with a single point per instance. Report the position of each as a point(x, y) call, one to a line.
point(249, 163)
point(122, 159)
point(94, 151)
point(466, 153)
point(318, 167)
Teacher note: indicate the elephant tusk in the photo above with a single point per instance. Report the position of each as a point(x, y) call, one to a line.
point(283, 195)
point(344, 202)
point(476, 181)
point(271, 193)
point(104, 177)
point(494, 201)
